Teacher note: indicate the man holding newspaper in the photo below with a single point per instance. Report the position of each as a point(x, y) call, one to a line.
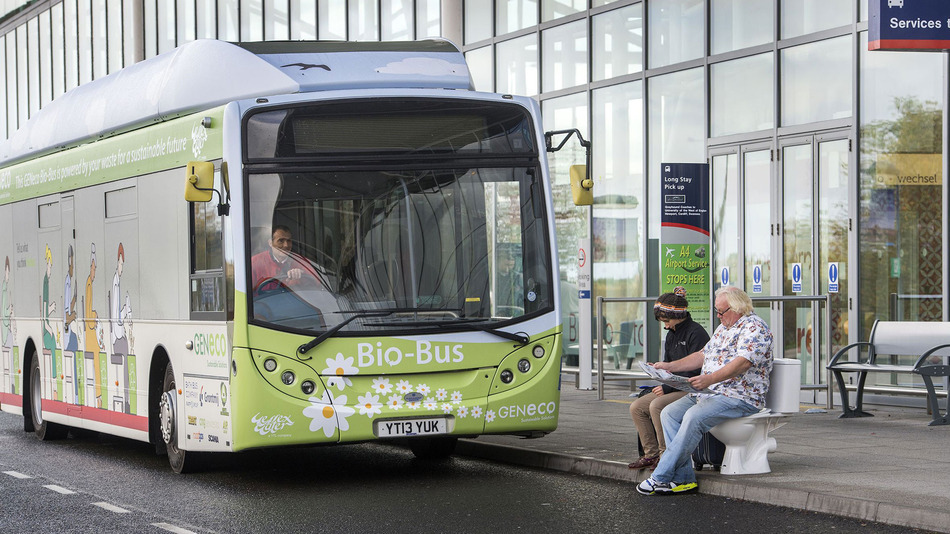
point(735, 371)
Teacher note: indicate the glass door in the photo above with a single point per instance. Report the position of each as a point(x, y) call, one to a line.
point(744, 222)
point(782, 226)
point(816, 232)
point(759, 228)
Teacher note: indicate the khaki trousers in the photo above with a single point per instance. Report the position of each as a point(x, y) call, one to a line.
point(645, 412)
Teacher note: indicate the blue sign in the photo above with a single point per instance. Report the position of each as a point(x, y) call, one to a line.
point(833, 277)
point(796, 278)
point(584, 294)
point(724, 276)
point(756, 278)
point(909, 25)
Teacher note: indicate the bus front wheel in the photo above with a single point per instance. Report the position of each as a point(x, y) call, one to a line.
point(45, 430)
point(181, 461)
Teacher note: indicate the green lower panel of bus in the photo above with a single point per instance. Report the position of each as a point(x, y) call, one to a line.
point(367, 407)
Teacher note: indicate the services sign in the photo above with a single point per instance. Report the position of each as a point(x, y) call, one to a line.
point(909, 25)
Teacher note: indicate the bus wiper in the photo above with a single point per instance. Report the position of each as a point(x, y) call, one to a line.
point(473, 324)
point(305, 348)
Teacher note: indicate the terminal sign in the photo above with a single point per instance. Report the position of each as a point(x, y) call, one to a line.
point(909, 25)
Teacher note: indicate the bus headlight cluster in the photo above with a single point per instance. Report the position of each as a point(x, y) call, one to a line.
point(524, 365)
point(538, 351)
point(507, 376)
point(270, 365)
point(307, 386)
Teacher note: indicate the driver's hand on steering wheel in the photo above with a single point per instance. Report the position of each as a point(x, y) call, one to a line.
point(294, 274)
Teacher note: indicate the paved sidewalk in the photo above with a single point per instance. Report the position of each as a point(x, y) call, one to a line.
point(891, 468)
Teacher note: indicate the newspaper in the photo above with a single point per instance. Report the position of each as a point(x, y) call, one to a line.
point(665, 377)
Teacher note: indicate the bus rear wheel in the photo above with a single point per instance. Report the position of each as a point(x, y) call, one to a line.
point(433, 448)
point(181, 461)
point(45, 430)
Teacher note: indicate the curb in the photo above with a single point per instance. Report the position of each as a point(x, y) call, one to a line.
point(710, 484)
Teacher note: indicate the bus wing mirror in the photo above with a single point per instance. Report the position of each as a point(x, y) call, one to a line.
point(199, 181)
point(581, 186)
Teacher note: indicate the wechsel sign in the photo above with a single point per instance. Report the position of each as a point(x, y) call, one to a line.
point(909, 25)
point(909, 169)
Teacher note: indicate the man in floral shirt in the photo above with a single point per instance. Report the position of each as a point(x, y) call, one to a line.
point(735, 368)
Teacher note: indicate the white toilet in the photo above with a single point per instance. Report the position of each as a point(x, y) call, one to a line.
point(747, 438)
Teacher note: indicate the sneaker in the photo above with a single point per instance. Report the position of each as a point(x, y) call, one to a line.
point(685, 487)
point(653, 487)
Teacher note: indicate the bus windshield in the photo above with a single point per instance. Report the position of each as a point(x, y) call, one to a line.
point(423, 244)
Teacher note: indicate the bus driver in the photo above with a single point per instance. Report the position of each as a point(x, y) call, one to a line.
point(279, 265)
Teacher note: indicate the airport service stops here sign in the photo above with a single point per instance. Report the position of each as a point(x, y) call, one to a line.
point(684, 234)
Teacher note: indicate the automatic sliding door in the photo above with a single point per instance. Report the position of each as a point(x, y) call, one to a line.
point(834, 222)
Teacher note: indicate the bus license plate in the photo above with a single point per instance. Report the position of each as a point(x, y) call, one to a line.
point(411, 427)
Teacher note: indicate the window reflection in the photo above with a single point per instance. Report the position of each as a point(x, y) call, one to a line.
point(725, 216)
point(396, 20)
point(800, 17)
point(816, 81)
point(516, 66)
point(565, 53)
point(477, 20)
point(480, 66)
point(618, 217)
point(570, 221)
point(618, 42)
point(900, 253)
point(513, 15)
point(677, 132)
point(676, 31)
point(740, 95)
point(738, 24)
point(552, 9)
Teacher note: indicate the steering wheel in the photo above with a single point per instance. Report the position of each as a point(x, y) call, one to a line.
point(258, 289)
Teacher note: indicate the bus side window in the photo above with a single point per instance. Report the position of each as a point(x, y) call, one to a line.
point(207, 281)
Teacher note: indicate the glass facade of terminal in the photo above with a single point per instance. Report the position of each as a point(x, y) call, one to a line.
point(821, 154)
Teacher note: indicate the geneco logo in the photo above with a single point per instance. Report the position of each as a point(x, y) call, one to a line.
point(211, 345)
point(270, 424)
point(527, 410)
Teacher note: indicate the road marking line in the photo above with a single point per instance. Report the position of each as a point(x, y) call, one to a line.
point(111, 507)
point(15, 474)
point(172, 528)
point(59, 489)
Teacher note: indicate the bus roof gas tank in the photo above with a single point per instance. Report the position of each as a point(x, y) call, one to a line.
point(207, 73)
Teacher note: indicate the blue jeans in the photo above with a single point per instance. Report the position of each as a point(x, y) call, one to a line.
point(684, 422)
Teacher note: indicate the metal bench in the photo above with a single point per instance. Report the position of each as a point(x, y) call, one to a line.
point(929, 340)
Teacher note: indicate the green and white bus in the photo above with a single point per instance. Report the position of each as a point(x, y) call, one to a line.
point(151, 291)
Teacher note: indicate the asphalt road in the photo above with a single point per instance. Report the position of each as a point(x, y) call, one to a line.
point(96, 483)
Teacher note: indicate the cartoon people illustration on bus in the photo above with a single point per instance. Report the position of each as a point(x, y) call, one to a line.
point(70, 295)
point(93, 330)
point(7, 329)
point(120, 318)
point(71, 329)
point(121, 312)
point(49, 335)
